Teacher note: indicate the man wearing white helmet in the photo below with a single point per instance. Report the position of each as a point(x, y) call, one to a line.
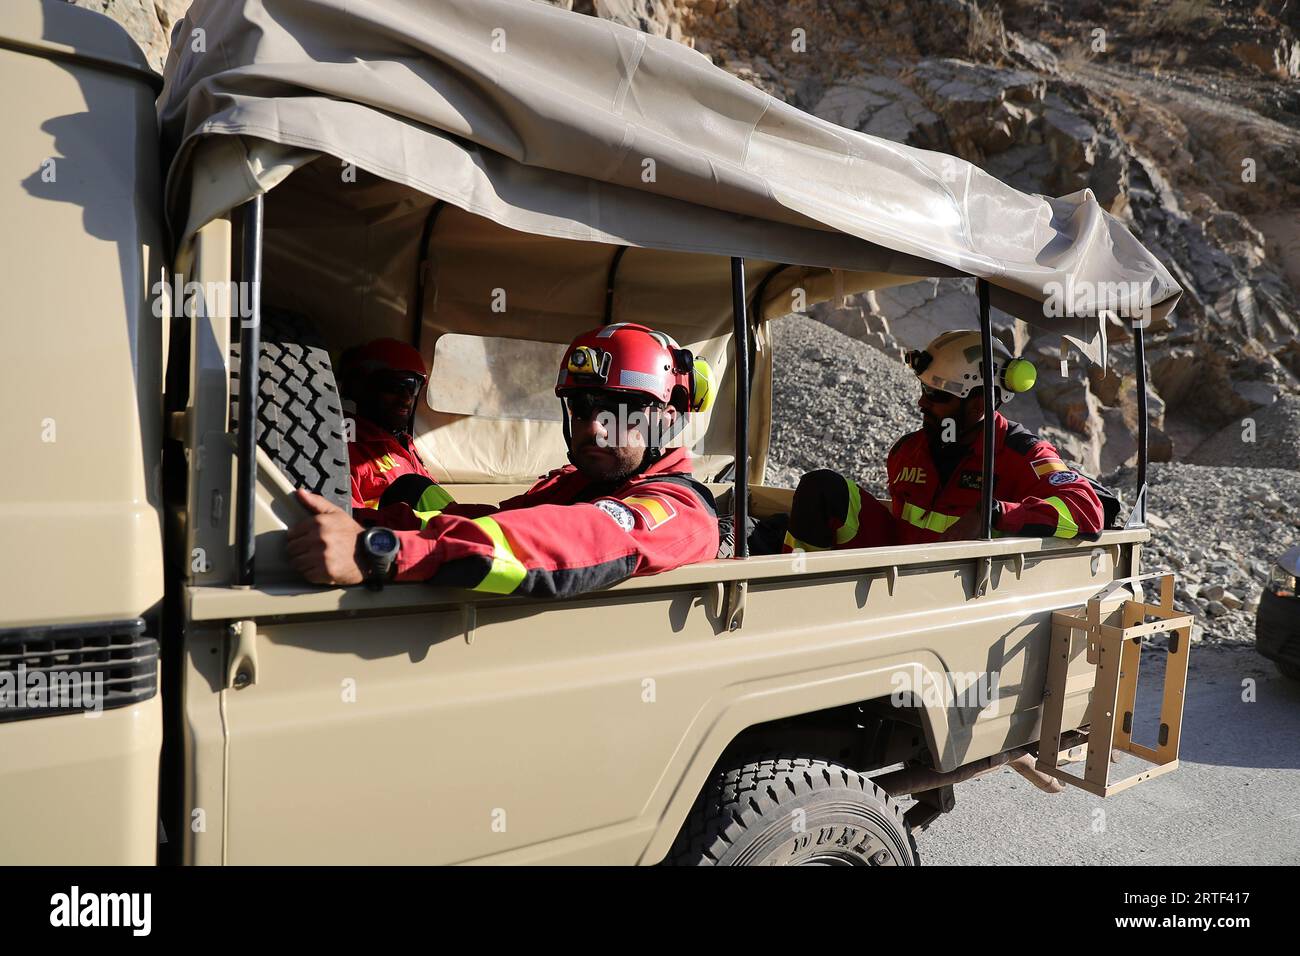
point(935, 474)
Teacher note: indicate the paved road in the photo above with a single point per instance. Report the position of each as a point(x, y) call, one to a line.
point(1235, 798)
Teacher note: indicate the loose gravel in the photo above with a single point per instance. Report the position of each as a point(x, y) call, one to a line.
point(1267, 438)
point(837, 403)
point(1221, 530)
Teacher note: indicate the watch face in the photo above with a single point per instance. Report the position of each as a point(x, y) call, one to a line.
point(382, 541)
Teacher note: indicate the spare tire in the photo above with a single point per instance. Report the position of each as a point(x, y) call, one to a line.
point(299, 414)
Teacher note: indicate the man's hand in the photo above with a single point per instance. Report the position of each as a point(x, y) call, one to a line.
point(323, 548)
point(967, 528)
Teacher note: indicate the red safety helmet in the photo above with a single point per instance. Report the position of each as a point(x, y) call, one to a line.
point(636, 360)
point(388, 354)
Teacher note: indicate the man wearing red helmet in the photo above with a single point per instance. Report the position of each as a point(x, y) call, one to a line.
point(625, 505)
point(382, 379)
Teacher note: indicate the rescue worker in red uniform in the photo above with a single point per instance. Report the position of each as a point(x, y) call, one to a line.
point(625, 505)
point(383, 380)
point(935, 474)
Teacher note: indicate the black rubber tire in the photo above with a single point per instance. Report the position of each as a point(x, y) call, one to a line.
point(1288, 670)
point(300, 414)
point(746, 816)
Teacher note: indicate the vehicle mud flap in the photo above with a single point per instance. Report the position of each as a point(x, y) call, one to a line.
point(1114, 644)
point(929, 806)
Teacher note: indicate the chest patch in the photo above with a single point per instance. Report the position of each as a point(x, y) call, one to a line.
point(970, 479)
point(620, 512)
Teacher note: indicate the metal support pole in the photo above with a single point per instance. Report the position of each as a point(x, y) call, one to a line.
point(740, 339)
point(990, 411)
point(250, 345)
point(1143, 436)
point(609, 284)
point(422, 271)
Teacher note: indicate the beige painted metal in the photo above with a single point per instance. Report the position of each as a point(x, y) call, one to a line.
point(210, 453)
point(1113, 633)
point(82, 789)
point(80, 362)
point(448, 719)
point(80, 384)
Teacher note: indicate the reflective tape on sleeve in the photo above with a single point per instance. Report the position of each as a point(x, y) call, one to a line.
point(433, 498)
point(1065, 526)
point(507, 571)
point(430, 504)
point(794, 544)
point(849, 530)
point(928, 520)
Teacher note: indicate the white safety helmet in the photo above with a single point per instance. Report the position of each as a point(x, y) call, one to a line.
point(951, 363)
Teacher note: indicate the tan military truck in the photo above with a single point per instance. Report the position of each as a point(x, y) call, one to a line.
point(485, 179)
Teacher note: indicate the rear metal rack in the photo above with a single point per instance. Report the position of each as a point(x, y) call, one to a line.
point(1113, 633)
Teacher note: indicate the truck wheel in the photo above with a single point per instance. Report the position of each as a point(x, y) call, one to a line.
point(793, 811)
point(299, 414)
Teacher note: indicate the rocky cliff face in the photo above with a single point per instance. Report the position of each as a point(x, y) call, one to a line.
point(1182, 117)
point(148, 21)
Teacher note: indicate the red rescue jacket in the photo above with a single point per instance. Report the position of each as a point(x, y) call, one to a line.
point(1034, 492)
point(567, 535)
point(378, 458)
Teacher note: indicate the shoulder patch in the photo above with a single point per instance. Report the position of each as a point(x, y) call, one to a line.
point(1046, 465)
point(653, 511)
point(620, 512)
point(1063, 477)
point(1020, 439)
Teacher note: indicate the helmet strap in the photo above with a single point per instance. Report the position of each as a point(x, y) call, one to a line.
point(568, 432)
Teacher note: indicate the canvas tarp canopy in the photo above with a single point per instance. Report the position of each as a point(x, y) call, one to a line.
point(537, 128)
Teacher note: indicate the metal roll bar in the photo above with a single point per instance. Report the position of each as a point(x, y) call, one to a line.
point(740, 323)
point(250, 345)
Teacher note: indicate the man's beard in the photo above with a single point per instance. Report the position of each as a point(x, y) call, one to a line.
point(613, 469)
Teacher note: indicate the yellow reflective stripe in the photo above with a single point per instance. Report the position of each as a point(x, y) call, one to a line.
point(507, 571)
point(430, 504)
point(1065, 527)
point(433, 498)
point(928, 520)
point(850, 528)
point(794, 544)
point(425, 516)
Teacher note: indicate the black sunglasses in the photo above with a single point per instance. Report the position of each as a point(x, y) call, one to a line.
point(393, 382)
point(587, 405)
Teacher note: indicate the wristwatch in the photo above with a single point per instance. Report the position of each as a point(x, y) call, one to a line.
point(378, 551)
